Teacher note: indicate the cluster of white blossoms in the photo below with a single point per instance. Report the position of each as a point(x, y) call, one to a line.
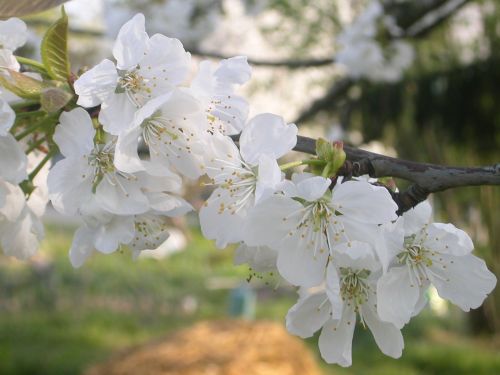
point(139, 127)
point(20, 227)
point(369, 50)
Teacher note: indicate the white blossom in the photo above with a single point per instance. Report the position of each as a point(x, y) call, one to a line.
point(437, 254)
point(88, 171)
point(173, 128)
point(146, 67)
point(241, 183)
point(308, 223)
point(215, 87)
point(349, 292)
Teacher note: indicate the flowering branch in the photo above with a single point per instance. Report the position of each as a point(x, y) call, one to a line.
point(427, 178)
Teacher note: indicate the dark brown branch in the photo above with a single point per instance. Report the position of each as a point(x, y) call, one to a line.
point(289, 63)
point(426, 178)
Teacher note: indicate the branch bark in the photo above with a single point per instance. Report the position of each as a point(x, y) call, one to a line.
point(289, 63)
point(426, 178)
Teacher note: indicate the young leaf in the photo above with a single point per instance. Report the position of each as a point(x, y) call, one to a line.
point(54, 49)
point(20, 84)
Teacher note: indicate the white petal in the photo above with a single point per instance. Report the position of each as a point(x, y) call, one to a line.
point(12, 201)
point(269, 176)
point(21, 238)
point(466, 281)
point(75, 133)
point(234, 70)
point(388, 338)
point(165, 62)
point(298, 264)
point(70, 185)
point(260, 258)
point(364, 202)
point(335, 341)
point(13, 34)
point(120, 230)
point(9, 61)
point(397, 296)
point(126, 152)
point(131, 43)
point(97, 84)
point(13, 161)
point(267, 134)
point(447, 239)
point(121, 197)
point(416, 218)
point(7, 117)
point(218, 222)
point(356, 255)
point(308, 315)
point(82, 246)
point(117, 114)
point(270, 222)
point(333, 291)
point(313, 188)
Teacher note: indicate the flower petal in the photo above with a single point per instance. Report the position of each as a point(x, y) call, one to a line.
point(117, 114)
point(131, 43)
point(7, 117)
point(82, 246)
point(96, 85)
point(416, 218)
point(388, 338)
point(75, 133)
point(126, 152)
point(165, 63)
point(269, 177)
point(447, 239)
point(335, 341)
point(308, 315)
point(267, 134)
point(397, 296)
point(219, 222)
point(466, 281)
point(300, 264)
point(13, 162)
point(364, 202)
point(270, 222)
point(119, 230)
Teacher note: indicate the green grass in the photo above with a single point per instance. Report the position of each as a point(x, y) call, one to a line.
point(61, 321)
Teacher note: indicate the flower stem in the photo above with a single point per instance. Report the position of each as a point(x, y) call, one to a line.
point(40, 165)
point(35, 64)
point(301, 162)
point(35, 145)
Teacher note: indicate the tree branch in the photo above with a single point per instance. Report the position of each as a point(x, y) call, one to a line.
point(427, 178)
point(289, 63)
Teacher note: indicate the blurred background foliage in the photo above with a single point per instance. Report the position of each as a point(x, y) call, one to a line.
point(446, 110)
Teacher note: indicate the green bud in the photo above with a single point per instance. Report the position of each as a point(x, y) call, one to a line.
point(333, 154)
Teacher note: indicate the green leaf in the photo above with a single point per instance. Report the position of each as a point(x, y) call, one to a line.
point(54, 98)
point(55, 49)
point(20, 84)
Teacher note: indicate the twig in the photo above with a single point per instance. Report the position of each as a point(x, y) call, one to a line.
point(289, 63)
